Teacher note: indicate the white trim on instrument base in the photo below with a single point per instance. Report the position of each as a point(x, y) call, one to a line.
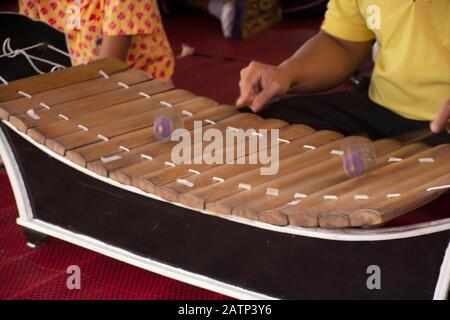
point(442, 289)
point(142, 262)
point(26, 220)
point(15, 179)
point(328, 234)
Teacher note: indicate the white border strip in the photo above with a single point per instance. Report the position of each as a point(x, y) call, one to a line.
point(141, 262)
point(328, 234)
point(443, 285)
point(25, 219)
point(15, 178)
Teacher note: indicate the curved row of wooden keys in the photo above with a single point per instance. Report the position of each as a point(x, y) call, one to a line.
point(100, 117)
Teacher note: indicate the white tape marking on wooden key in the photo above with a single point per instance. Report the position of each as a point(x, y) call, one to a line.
point(187, 113)
point(123, 85)
point(24, 94)
point(393, 159)
point(63, 117)
point(82, 127)
point(217, 179)
point(124, 149)
point(294, 202)
point(272, 192)
point(257, 134)
point(185, 182)
point(33, 115)
point(209, 121)
point(361, 197)
point(146, 157)
point(166, 104)
point(170, 164)
point(307, 146)
point(111, 158)
point(144, 95)
point(337, 152)
point(298, 197)
point(245, 186)
point(330, 197)
point(194, 171)
point(426, 160)
point(44, 105)
point(3, 80)
point(439, 188)
point(393, 195)
point(102, 137)
point(103, 74)
point(283, 140)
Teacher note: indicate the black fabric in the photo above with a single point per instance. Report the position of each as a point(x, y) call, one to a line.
point(174, 8)
point(24, 32)
point(301, 9)
point(351, 113)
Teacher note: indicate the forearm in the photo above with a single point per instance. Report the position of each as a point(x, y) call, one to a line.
point(115, 46)
point(324, 62)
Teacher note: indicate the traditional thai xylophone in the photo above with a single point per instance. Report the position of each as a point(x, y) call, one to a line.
point(110, 173)
point(97, 125)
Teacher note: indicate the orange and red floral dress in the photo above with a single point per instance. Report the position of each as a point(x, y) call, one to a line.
point(85, 22)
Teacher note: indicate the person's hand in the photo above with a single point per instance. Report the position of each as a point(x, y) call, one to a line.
point(260, 83)
point(441, 122)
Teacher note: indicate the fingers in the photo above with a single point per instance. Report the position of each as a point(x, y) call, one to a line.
point(248, 85)
point(248, 93)
point(441, 122)
point(259, 84)
point(264, 96)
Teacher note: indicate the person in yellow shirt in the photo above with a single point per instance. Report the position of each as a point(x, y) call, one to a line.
point(410, 83)
point(126, 29)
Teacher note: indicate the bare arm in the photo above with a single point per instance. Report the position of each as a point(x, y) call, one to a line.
point(321, 63)
point(115, 46)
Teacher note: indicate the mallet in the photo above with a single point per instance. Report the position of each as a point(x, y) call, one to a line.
point(359, 155)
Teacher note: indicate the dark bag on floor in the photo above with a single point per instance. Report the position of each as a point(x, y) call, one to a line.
point(173, 8)
point(295, 9)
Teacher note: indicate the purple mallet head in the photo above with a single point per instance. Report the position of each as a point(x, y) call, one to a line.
point(359, 156)
point(163, 127)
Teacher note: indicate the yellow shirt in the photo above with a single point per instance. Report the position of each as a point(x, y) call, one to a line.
point(85, 22)
point(412, 70)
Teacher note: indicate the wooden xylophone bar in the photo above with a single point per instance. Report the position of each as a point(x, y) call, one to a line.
point(100, 116)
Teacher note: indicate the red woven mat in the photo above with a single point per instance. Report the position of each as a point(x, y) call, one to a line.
point(41, 273)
